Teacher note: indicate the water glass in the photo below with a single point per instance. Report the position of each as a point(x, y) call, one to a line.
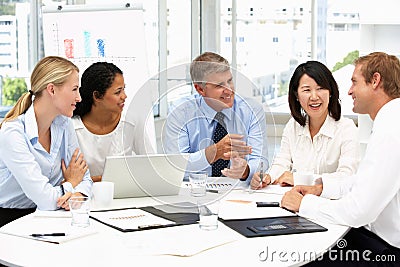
point(208, 214)
point(80, 208)
point(198, 182)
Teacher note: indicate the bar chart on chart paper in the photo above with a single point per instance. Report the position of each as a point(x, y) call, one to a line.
point(87, 35)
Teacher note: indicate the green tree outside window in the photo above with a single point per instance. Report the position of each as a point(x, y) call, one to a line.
point(13, 88)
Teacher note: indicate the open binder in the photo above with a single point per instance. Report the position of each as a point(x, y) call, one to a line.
point(273, 226)
point(145, 218)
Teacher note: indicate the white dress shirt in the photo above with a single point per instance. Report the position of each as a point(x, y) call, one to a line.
point(371, 197)
point(333, 152)
point(128, 138)
point(29, 175)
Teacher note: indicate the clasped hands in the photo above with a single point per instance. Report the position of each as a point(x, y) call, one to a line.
point(231, 147)
point(291, 200)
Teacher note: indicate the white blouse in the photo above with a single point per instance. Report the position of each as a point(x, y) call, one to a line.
point(128, 138)
point(372, 196)
point(333, 153)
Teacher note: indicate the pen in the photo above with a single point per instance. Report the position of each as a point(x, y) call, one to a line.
point(62, 189)
point(212, 191)
point(154, 226)
point(51, 234)
point(261, 172)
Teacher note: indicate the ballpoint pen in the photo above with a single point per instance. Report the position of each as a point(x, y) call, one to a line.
point(51, 234)
point(261, 172)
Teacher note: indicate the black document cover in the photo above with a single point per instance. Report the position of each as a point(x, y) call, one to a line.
point(182, 213)
point(273, 226)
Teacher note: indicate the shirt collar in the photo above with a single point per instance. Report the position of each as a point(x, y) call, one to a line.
point(78, 123)
point(210, 113)
point(31, 128)
point(327, 128)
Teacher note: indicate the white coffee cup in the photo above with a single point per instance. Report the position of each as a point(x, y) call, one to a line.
point(303, 178)
point(103, 194)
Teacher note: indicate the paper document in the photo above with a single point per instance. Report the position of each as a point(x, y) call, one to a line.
point(272, 189)
point(190, 240)
point(70, 233)
point(130, 219)
point(235, 209)
point(52, 214)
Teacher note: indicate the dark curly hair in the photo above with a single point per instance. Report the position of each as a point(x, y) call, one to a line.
point(95, 81)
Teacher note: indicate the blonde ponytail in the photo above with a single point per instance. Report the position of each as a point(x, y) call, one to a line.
point(22, 105)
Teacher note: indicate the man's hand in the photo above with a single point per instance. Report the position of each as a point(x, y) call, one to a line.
point(309, 189)
point(237, 169)
point(226, 147)
point(291, 200)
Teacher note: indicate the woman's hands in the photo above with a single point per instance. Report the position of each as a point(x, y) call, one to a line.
point(76, 169)
point(257, 183)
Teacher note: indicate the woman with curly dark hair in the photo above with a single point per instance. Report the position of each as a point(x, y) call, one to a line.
point(103, 129)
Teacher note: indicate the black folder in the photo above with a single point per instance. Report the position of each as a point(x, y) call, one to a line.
point(273, 226)
point(182, 213)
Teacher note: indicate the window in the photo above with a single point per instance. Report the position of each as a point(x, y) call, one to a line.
point(264, 40)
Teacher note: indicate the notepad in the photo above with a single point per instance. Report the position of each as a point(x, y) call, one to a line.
point(133, 219)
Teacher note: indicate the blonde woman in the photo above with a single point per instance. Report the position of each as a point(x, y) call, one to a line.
point(40, 163)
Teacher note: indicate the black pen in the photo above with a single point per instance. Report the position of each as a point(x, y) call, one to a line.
point(212, 190)
point(51, 234)
point(154, 226)
point(62, 189)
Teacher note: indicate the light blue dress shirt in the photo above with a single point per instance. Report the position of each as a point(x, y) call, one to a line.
point(190, 126)
point(29, 175)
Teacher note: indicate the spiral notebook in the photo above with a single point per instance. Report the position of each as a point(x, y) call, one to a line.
point(149, 217)
point(127, 220)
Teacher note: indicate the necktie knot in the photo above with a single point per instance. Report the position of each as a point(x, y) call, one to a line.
point(219, 117)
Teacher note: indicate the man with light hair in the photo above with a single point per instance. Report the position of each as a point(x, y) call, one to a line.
point(369, 201)
point(217, 126)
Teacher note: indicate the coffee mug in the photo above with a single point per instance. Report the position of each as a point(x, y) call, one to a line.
point(103, 193)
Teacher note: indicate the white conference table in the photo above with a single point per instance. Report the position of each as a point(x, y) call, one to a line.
point(110, 247)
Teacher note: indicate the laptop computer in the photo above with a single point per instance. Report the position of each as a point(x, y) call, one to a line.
point(145, 175)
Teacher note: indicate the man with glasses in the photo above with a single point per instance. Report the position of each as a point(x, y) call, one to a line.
point(224, 133)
